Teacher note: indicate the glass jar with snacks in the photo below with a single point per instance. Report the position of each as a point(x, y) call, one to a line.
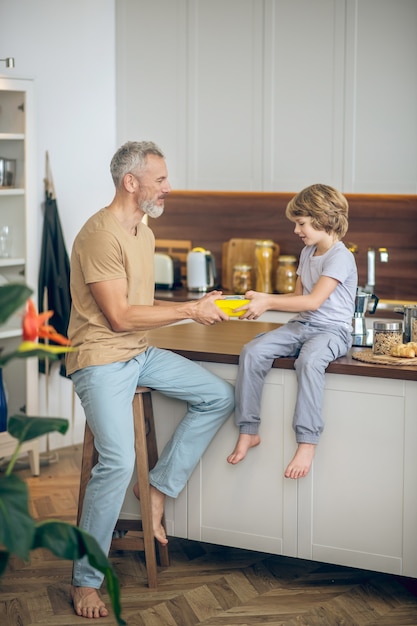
point(286, 274)
point(242, 278)
point(264, 255)
point(386, 336)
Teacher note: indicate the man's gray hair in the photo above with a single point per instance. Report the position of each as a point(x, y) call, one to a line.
point(131, 157)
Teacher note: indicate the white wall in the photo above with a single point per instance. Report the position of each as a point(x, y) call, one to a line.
point(68, 48)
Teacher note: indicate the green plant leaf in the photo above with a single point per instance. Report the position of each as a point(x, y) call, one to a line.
point(72, 543)
point(12, 296)
point(25, 428)
point(17, 527)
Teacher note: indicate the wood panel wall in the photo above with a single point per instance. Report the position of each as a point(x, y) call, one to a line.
point(209, 218)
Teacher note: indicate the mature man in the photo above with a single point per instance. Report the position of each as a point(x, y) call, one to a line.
point(113, 305)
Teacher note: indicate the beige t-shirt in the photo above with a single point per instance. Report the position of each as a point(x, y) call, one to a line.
point(104, 250)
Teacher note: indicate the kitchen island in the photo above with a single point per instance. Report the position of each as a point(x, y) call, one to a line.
point(357, 507)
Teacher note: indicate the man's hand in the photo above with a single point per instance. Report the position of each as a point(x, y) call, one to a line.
point(207, 312)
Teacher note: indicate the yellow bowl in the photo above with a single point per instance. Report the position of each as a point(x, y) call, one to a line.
point(230, 303)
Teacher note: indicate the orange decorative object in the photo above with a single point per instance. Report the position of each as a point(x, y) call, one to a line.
point(34, 326)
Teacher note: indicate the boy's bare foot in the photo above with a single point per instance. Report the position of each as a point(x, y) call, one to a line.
point(87, 602)
point(301, 462)
point(243, 444)
point(157, 504)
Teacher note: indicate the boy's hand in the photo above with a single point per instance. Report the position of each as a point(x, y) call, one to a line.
point(259, 303)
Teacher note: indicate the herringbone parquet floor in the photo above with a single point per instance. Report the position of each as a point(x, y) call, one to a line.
point(205, 585)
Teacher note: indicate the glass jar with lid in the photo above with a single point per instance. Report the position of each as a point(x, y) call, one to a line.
point(242, 278)
point(264, 255)
point(286, 274)
point(386, 336)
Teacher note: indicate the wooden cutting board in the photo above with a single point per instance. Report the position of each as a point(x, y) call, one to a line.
point(237, 251)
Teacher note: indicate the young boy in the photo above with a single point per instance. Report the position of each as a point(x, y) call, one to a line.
point(324, 299)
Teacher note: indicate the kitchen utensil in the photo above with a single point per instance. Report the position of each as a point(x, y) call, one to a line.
point(177, 249)
point(409, 322)
point(239, 251)
point(230, 303)
point(7, 172)
point(386, 336)
point(201, 270)
point(286, 274)
point(242, 278)
point(360, 334)
point(167, 271)
point(5, 242)
point(264, 257)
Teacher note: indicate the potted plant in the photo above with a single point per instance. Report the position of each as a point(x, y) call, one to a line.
point(19, 532)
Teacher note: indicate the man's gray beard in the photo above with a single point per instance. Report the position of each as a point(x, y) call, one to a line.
point(152, 209)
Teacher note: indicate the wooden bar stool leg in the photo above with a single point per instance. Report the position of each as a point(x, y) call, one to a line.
point(152, 453)
point(142, 469)
point(146, 458)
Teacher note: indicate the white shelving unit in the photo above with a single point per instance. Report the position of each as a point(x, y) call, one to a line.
point(18, 210)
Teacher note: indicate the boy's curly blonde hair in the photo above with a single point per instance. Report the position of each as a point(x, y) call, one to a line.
point(327, 207)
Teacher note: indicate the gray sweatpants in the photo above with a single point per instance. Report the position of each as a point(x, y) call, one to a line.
point(314, 347)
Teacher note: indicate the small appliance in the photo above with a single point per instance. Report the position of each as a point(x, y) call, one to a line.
point(410, 321)
point(201, 270)
point(361, 335)
point(7, 172)
point(167, 271)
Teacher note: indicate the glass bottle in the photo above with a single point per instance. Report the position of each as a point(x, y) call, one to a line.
point(242, 278)
point(286, 274)
point(3, 405)
point(264, 253)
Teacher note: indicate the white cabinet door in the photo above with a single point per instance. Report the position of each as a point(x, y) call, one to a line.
point(381, 97)
point(249, 505)
point(351, 505)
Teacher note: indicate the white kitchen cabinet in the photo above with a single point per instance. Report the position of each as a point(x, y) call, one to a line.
point(248, 505)
point(357, 506)
point(18, 210)
point(353, 508)
point(274, 95)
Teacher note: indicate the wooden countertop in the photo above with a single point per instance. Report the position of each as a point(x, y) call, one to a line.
point(384, 310)
point(222, 343)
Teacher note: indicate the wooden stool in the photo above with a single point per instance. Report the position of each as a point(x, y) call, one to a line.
point(146, 458)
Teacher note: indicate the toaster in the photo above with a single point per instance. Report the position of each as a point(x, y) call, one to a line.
point(167, 271)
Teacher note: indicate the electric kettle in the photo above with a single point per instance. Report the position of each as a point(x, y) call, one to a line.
point(201, 270)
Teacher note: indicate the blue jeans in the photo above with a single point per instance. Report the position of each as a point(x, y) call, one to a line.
point(106, 393)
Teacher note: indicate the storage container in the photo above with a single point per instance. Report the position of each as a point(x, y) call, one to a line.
point(386, 335)
point(286, 274)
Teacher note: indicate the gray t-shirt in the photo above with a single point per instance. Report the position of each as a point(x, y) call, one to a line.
point(338, 263)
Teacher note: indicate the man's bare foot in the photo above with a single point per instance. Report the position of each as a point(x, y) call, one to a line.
point(157, 504)
point(301, 462)
point(87, 602)
point(243, 444)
